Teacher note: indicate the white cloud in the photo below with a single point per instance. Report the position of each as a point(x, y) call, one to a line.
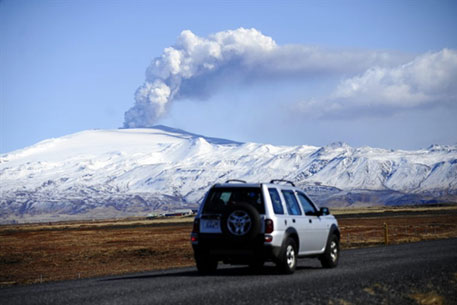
point(428, 80)
point(194, 66)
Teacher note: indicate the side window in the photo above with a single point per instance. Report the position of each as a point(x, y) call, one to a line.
point(307, 206)
point(276, 201)
point(291, 203)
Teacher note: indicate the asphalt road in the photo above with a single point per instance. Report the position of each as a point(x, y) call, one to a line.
point(397, 274)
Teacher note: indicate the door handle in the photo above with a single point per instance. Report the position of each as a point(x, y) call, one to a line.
point(310, 221)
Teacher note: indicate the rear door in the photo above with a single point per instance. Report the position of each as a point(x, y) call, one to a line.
point(220, 198)
point(297, 219)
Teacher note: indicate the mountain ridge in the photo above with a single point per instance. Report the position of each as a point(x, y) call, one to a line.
point(127, 172)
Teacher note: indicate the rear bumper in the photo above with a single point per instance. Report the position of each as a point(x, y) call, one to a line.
point(235, 252)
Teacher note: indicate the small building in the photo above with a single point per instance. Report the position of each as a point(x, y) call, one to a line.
point(181, 212)
point(152, 215)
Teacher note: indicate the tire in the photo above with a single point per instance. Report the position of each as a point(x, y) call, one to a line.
point(205, 263)
point(332, 252)
point(288, 258)
point(241, 222)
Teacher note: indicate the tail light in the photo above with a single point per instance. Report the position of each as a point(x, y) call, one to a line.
point(269, 226)
point(195, 231)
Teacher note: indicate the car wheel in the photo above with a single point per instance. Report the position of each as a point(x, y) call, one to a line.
point(332, 253)
point(288, 258)
point(241, 222)
point(205, 263)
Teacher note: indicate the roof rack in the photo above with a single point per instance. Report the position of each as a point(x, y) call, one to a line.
point(282, 180)
point(235, 180)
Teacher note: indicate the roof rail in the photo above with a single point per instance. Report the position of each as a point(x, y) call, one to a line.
point(235, 180)
point(282, 180)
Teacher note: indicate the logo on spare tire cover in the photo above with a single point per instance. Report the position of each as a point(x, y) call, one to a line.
point(239, 222)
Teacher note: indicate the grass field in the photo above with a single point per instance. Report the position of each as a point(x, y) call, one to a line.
point(36, 253)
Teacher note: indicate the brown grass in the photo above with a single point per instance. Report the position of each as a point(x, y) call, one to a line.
point(48, 252)
point(452, 208)
point(430, 298)
point(356, 232)
point(35, 254)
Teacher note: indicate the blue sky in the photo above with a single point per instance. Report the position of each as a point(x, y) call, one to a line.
point(376, 73)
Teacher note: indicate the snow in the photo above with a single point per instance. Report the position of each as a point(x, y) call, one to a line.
point(104, 166)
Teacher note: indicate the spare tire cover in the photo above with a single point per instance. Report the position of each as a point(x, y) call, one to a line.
point(241, 222)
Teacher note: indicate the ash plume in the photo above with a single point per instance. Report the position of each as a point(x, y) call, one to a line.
point(194, 67)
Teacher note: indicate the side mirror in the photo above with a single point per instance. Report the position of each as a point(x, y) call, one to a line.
point(324, 211)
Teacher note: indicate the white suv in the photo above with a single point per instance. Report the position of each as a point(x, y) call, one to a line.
point(241, 223)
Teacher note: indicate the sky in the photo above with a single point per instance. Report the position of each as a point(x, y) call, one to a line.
point(368, 73)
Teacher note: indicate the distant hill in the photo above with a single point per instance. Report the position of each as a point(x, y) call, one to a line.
point(124, 172)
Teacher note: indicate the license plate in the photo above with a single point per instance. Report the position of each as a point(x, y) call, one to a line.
point(210, 226)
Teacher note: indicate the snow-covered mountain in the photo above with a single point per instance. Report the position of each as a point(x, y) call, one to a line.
point(107, 173)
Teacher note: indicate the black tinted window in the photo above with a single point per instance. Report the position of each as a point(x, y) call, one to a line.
point(291, 203)
point(219, 198)
point(276, 201)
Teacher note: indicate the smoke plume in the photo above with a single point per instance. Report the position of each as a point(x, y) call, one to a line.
point(192, 67)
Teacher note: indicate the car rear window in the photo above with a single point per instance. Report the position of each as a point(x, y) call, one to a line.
point(219, 198)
